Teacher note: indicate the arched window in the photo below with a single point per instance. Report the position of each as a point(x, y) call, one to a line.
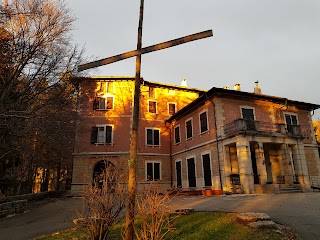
point(100, 174)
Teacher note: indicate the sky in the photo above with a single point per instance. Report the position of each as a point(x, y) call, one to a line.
point(274, 41)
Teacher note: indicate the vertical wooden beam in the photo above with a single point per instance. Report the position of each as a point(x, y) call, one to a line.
point(132, 184)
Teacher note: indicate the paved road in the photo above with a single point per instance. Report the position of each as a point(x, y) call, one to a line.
point(300, 211)
point(42, 217)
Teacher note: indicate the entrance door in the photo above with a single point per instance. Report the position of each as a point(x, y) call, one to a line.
point(178, 174)
point(206, 170)
point(248, 115)
point(191, 172)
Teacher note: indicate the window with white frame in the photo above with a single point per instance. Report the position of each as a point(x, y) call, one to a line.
point(177, 134)
point(152, 137)
point(291, 121)
point(247, 113)
point(189, 131)
point(171, 108)
point(152, 106)
point(104, 103)
point(102, 134)
point(153, 171)
point(203, 120)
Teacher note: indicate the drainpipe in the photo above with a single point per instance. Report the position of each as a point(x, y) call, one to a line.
point(171, 167)
point(217, 141)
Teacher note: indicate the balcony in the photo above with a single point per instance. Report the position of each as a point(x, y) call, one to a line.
point(242, 126)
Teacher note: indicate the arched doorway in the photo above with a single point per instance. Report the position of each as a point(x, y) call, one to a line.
point(99, 172)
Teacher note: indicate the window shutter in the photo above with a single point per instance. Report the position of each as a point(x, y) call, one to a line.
point(203, 122)
point(109, 102)
point(95, 104)
point(149, 137)
point(172, 108)
point(156, 171)
point(189, 128)
point(294, 120)
point(156, 136)
point(94, 134)
point(177, 134)
point(108, 134)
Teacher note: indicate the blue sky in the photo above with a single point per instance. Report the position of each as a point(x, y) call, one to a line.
point(275, 42)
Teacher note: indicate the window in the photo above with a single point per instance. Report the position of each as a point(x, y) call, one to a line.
point(152, 92)
point(103, 103)
point(177, 134)
point(248, 114)
point(102, 134)
point(189, 133)
point(106, 87)
point(291, 120)
point(206, 166)
point(191, 172)
point(203, 122)
point(171, 108)
point(152, 107)
point(153, 171)
point(153, 137)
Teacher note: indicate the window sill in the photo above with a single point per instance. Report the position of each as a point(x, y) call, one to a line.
point(176, 144)
point(188, 139)
point(101, 144)
point(153, 146)
point(207, 131)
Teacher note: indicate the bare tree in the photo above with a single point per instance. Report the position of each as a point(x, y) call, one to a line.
point(37, 58)
point(155, 213)
point(104, 203)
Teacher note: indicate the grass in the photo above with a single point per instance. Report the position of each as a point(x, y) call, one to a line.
point(196, 226)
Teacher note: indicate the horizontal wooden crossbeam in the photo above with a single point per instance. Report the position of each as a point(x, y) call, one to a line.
point(152, 48)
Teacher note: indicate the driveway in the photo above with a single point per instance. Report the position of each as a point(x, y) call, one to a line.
point(300, 211)
point(42, 217)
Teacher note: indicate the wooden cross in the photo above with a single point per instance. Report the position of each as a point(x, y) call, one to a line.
point(153, 48)
point(130, 209)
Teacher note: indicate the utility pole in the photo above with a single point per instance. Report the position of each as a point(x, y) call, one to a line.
point(132, 183)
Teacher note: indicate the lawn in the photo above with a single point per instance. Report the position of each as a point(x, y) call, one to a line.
point(196, 226)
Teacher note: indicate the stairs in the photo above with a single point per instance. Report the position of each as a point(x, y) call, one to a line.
point(289, 189)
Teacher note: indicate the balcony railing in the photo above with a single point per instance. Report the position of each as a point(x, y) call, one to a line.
point(243, 126)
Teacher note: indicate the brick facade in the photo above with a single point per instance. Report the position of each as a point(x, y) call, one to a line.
point(218, 139)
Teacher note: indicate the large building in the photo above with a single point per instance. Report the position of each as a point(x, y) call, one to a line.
point(221, 140)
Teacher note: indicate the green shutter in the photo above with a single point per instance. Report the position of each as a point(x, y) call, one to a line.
point(109, 134)
point(94, 135)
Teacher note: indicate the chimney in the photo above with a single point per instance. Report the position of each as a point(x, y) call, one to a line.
point(257, 88)
point(237, 87)
point(184, 82)
point(226, 87)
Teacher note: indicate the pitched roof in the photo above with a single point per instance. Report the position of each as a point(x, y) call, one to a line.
point(132, 78)
point(221, 92)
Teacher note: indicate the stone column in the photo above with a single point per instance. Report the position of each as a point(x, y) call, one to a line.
point(300, 164)
point(245, 165)
point(227, 167)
